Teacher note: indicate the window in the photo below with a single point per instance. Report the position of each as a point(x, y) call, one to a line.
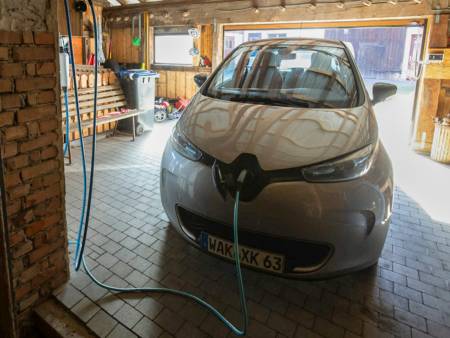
point(276, 35)
point(254, 36)
point(287, 74)
point(173, 46)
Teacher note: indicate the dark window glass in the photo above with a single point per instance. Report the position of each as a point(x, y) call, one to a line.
point(287, 75)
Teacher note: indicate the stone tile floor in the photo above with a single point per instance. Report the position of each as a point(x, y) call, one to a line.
point(131, 244)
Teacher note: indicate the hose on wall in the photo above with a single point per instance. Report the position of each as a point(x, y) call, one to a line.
point(87, 200)
point(80, 129)
point(66, 104)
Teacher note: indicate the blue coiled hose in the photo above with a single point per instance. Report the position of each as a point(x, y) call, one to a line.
point(84, 221)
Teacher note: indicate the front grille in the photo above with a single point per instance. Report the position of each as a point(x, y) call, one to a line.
point(301, 256)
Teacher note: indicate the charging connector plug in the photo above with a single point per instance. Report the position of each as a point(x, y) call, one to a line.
point(241, 179)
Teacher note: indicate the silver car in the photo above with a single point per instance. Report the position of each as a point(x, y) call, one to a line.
point(295, 114)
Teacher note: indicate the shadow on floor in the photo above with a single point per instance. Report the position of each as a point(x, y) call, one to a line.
point(131, 244)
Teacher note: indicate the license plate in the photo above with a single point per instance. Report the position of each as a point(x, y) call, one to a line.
point(249, 256)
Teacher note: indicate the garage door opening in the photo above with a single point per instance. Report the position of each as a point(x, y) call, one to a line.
point(383, 54)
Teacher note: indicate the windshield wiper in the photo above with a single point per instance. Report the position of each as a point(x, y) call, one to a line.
point(288, 102)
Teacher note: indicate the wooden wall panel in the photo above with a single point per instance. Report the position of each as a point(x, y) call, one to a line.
point(439, 32)
point(428, 109)
point(176, 83)
point(171, 84)
point(78, 49)
point(121, 48)
point(206, 47)
point(444, 99)
point(433, 92)
point(161, 84)
point(75, 18)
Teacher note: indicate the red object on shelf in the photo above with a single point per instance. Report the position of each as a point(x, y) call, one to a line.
point(91, 60)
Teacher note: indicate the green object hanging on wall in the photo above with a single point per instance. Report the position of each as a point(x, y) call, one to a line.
point(136, 40)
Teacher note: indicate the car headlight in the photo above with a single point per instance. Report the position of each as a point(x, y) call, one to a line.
point(184, 147)
point(346, 168)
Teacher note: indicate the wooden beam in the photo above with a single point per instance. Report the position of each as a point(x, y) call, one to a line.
point(336, 24)
point(239, 11)
point(142, 6)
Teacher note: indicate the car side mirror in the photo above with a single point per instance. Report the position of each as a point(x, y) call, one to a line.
point(381, 91)
point(200, 79)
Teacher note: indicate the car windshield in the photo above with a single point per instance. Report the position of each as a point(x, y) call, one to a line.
point(283, 74)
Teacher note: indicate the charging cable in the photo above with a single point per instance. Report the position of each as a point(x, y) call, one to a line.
point(66, 104)
point(85, 216)
point(80, 128)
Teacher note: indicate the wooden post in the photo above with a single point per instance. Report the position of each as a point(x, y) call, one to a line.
point(146, 40)
point(217, 54)
point(427, 104)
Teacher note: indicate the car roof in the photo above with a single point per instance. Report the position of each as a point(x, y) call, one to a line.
point(296, 41)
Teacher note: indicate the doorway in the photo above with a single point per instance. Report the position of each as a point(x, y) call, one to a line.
point(387, 51)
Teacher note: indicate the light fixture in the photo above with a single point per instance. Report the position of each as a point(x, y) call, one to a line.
point(418, 1)
point(312, 5)
point(185, 14)
point(393, 2)
point(256, 10)
point(283, 8)
point(152, 15)
point(367, 3)
point(340, 5)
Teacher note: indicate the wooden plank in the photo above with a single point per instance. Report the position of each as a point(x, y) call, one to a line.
point(171, 84)
point(86, 97)
point(207, 41)
point(91, 90)
point(115, 105)
point(117, 98)
point(78, 48)
point(188, 77)
point(161, 89)
point(428, 110)
point(87, 124)
point(180, 84)
point(336, 24)
point(439, 31)
point(75, 18)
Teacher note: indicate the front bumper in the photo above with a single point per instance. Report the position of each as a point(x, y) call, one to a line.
point(325, 229)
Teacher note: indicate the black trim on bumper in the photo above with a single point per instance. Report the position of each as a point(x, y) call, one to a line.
point(300, 256)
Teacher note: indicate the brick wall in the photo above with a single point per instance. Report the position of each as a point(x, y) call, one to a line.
point(31, 146)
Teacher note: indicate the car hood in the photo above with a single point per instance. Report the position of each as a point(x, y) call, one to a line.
point(279, 137)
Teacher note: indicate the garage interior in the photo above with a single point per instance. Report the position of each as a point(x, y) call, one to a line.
point(130, 241)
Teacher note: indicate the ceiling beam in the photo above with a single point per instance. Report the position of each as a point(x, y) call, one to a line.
point(146, 6)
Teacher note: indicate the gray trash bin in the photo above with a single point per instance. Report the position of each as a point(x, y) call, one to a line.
point(139, 88)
